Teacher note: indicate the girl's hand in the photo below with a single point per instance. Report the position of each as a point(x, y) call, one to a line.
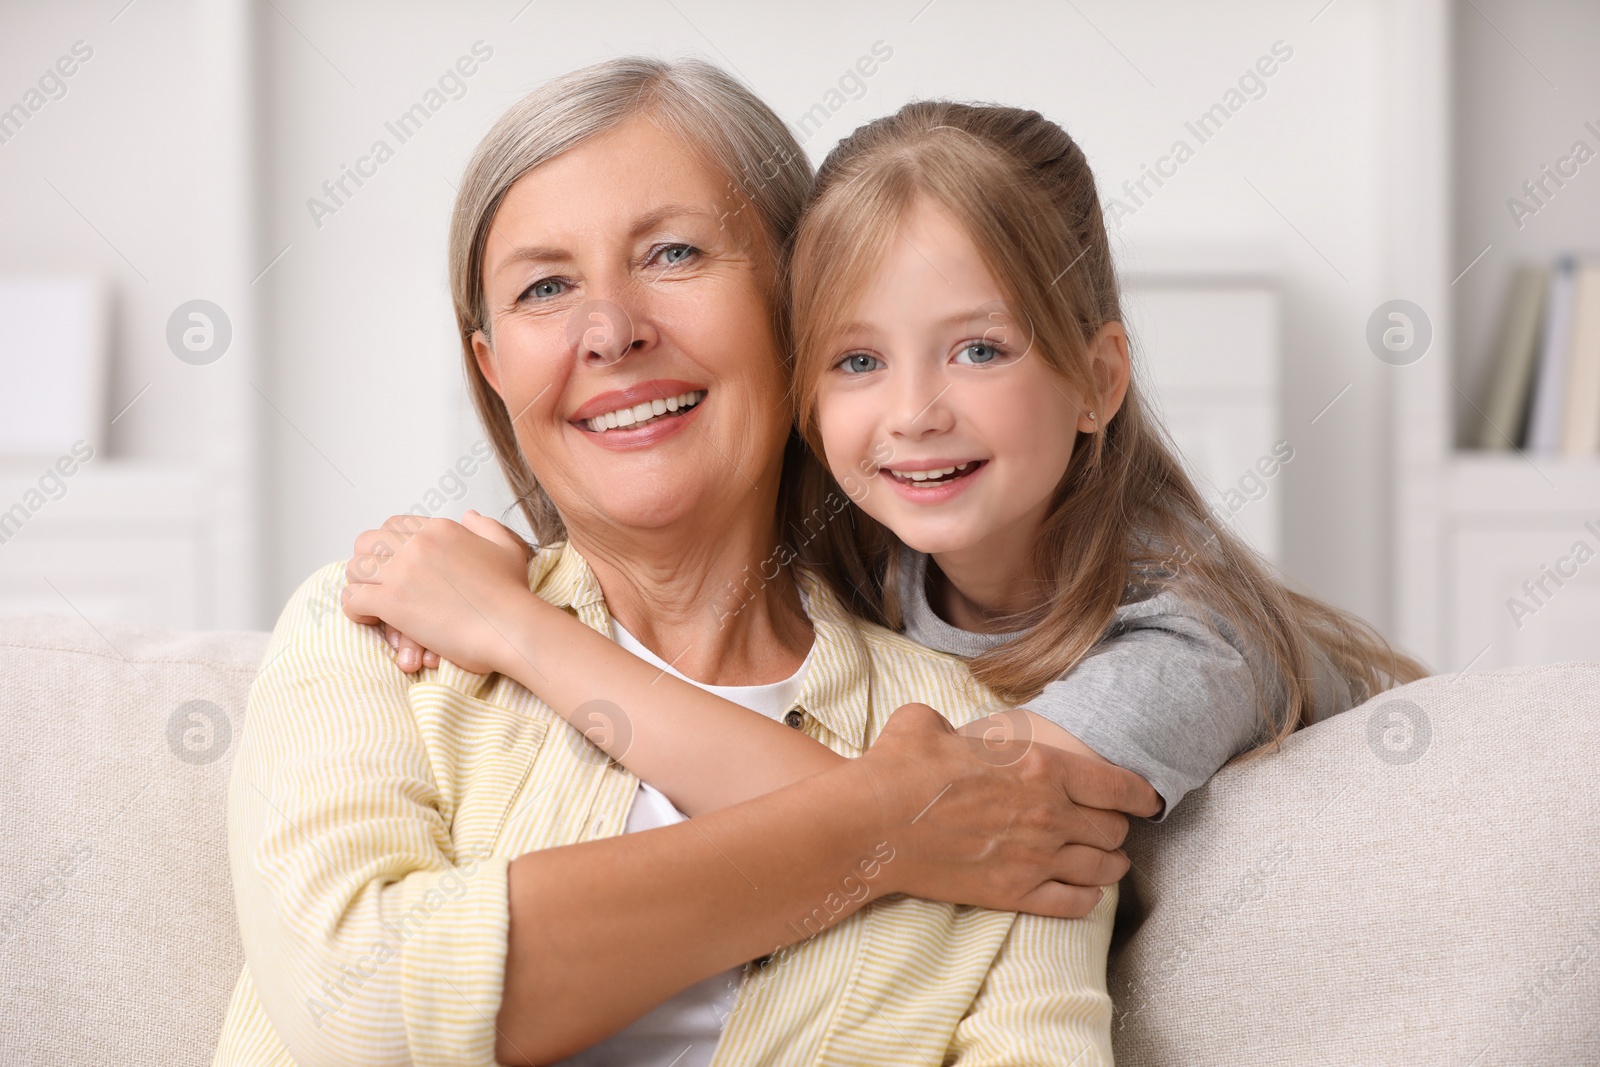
point(408, 655)
point(436, 587)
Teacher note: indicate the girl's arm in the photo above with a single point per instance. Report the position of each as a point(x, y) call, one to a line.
point(469, 601)
point(702, 751)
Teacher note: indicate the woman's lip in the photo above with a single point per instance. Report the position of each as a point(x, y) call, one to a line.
point(630, 439)
point(644, 392)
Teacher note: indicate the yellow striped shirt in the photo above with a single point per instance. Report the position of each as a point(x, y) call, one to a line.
point(372, 815)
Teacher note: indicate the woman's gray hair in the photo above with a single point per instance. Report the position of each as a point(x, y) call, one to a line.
point(768, 175)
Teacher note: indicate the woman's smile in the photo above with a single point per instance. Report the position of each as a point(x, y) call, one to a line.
point(641, 415)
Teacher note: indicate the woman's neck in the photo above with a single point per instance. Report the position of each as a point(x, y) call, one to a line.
point(710, 598)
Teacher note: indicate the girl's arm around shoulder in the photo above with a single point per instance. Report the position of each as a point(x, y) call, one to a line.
point(461, 591)
point(705, 753)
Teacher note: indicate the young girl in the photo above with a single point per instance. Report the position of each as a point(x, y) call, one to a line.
point(998, 491)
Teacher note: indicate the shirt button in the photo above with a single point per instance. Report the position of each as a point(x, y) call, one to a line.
point(795, 718)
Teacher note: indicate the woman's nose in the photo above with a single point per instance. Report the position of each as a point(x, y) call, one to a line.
point(601, 332)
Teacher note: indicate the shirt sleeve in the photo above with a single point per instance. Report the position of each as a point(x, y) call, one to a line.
point(370, 935)
point(1045, 998)
point(1165, 695)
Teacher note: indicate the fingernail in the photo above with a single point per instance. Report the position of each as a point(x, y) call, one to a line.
point(408, 659)
point(394, 639)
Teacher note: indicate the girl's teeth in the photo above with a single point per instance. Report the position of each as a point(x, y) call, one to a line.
point(643, 412)
point(933, 475)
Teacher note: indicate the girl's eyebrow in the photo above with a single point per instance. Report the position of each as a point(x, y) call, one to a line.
point(986, 310)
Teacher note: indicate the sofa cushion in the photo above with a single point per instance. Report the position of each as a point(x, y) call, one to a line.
point(1409, 882)
point(1413, 881)
point(118, 937)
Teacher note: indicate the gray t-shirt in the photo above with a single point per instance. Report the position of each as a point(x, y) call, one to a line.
point(1168, 693)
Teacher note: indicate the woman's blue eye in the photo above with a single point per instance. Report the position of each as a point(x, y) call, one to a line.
point(979, 353)
point(544, 289)
point(672, 255)
point(859, 363)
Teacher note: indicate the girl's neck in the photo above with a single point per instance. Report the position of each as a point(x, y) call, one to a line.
point(980, 599)
point(714, 603)
point(985, 586)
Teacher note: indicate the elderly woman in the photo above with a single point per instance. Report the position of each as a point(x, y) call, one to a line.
point(435, 868)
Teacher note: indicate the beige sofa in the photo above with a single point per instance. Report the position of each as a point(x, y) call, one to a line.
point(1415, 881)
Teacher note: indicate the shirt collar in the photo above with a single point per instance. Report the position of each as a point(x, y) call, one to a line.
point(837, 690)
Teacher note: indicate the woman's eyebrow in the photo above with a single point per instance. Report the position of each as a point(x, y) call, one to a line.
point(532, 254)
point(644, 224)
point(653, 219)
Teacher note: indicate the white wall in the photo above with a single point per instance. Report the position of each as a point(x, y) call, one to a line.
point(140, 173)
point(358, 355)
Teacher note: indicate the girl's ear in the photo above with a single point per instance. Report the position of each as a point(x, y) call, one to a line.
point(1108, 362)
point(483, 352)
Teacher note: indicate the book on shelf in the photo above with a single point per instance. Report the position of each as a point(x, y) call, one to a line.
point(1580, 429)
point(1544, 422)
point(1545, 368)
point(1517, 346)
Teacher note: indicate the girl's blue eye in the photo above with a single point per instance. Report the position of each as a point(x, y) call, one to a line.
point(979, 353)
point(859, 363)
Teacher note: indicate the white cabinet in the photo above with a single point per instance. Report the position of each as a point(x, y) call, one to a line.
point(1207, 351)
point(1527, 592)
point(114, 540)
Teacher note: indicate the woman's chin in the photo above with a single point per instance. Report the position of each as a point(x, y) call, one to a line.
point(612, 511)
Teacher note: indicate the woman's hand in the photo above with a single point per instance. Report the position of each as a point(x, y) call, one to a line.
point(437, 587)
point(1014, 826)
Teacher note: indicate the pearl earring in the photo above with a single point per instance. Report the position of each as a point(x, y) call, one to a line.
point(1091, 416)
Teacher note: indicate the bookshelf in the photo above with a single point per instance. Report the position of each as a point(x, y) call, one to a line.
point(1488, 568)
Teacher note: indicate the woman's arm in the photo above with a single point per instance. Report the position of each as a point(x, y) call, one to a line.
point(357, 904)
point(1045, 998)
point(755, 872)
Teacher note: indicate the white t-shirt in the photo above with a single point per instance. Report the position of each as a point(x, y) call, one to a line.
point(682, 1032)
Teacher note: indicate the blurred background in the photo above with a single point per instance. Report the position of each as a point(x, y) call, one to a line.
point(1352, 233)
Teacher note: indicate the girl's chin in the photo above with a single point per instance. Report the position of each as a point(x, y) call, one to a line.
point(936, 541)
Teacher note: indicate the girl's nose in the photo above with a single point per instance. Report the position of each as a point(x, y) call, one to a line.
point(921, 407)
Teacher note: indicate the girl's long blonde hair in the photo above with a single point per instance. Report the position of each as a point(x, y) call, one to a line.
point(1125, 513)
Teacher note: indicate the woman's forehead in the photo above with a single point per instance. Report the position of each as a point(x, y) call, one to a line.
point(629, 179)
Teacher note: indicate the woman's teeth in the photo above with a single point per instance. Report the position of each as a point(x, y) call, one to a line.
point(938, 475)
point(649, 411)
